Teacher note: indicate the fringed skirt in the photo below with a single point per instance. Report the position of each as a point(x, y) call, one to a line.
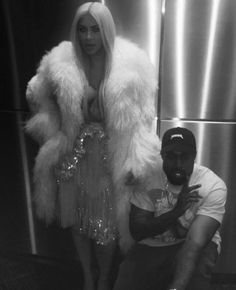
point(85, 189)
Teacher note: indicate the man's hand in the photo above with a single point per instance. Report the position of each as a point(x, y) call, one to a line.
point(187, 196)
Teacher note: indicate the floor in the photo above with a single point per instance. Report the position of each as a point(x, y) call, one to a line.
point(26, 272)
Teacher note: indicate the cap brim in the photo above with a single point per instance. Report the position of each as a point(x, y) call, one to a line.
point(178, 148)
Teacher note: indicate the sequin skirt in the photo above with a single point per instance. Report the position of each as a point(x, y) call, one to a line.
point(86, 195)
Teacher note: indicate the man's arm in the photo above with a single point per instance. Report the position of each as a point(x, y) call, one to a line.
point(200, 234)
point(143, 224)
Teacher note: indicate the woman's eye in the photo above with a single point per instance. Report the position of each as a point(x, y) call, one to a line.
point(82, 29)
point(95, 29)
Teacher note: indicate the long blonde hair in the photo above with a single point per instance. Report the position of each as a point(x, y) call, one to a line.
point(105, 22)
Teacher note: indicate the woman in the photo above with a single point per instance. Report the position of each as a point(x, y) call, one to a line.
point(94, 104)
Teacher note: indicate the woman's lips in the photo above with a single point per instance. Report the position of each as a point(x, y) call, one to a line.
point(89, 45)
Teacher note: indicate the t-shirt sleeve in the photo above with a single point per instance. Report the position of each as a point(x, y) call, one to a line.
point(214, 204)
point(142, 200)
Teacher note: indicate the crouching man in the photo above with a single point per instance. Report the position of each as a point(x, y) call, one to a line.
point(175, 222)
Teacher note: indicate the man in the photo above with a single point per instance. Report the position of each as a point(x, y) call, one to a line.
point(175, 221)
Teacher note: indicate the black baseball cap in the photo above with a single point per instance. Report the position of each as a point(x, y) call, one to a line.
point(178, 139)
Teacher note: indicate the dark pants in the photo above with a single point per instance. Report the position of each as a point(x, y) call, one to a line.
point(152, 268)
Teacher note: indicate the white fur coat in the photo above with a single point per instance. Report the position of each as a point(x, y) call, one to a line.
point(56, 93)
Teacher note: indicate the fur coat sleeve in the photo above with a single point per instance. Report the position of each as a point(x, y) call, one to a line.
point(55, 93)
point(130, 108)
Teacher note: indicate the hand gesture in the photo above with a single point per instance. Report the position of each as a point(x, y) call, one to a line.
point(187, 196)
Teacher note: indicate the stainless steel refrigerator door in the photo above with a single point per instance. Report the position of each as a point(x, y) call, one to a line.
point(198, 91)
point(199, 60)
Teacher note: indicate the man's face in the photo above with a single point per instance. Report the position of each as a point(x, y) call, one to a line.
point(178, 166)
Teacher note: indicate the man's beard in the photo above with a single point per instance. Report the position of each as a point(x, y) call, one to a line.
point(177, 176)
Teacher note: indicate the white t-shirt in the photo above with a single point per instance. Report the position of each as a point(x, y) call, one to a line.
point(161, 196)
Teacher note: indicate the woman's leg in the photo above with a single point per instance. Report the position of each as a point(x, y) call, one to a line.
point(83, 247)
point(105, 259)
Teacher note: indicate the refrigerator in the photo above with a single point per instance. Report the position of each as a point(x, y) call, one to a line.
point(197, 90)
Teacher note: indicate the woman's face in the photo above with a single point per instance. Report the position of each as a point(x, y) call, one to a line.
point(89, 35)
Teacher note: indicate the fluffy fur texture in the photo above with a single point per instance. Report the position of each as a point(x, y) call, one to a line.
point(56, 92)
